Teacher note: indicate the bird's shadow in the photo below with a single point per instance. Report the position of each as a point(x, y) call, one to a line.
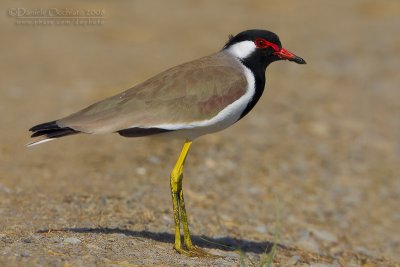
point(222, 243)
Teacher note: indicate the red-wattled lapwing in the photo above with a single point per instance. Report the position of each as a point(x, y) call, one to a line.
point(193, 99)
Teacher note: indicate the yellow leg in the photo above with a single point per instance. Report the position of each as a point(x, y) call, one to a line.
point(185, 225)
point(176, 190)
point(178, 202)
point(193, 250)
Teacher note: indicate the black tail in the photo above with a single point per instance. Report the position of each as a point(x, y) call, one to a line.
point(51, 130)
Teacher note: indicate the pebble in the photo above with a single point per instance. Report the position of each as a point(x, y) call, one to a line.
point(167, 219)
point(25, 254)
point(293, 260)
point(119, 235)
point(27, 240)
point(141, 171)
point(55, 240)
point(254, 190)
point(365, 251)
point(325, 236)
point(307, 242)
point(72, 240)
point(319, 129)
point(154, 159)
point(261, 229)
point(104, 200)
point(5, 189)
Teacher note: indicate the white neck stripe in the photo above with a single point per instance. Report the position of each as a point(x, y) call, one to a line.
point(242, 49)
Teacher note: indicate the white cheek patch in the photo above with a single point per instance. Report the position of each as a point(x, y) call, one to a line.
point(242, 50)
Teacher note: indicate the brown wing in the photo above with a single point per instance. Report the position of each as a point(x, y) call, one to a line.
point(194, 91)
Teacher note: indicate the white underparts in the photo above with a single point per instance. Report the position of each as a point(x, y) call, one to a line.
point(242, 50)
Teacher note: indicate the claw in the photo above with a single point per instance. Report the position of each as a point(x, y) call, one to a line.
point(183, 251)
point(199, 252)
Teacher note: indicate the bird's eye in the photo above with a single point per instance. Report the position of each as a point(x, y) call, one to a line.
point(262, 43)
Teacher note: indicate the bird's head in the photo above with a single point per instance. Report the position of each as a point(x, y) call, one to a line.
point(259, 48)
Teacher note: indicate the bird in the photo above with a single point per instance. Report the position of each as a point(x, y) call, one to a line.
point(185, 102)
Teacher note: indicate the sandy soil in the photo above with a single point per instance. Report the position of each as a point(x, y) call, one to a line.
point(314, 166)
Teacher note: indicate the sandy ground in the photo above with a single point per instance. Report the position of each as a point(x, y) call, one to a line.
point(315, 166)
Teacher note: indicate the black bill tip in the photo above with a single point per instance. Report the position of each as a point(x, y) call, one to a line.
point(298, 60)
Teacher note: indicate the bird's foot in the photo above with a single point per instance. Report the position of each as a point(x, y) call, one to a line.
point(199, 252)
point(194, 251)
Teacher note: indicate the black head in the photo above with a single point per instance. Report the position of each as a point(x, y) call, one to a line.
point(259, 48)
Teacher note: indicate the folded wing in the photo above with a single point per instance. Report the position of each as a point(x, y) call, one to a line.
point(192, 92)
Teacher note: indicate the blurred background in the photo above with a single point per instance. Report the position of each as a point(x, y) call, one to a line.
point(321, 148)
